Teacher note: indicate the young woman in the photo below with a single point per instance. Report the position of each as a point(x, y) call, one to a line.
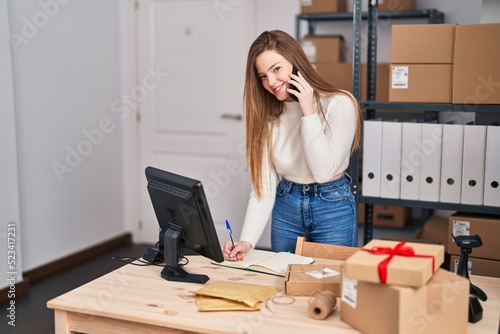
point(297, 152)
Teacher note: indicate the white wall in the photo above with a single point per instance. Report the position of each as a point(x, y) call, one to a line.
point(490, 12)
point(66, 64)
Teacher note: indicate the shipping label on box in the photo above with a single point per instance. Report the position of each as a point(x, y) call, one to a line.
point(393, 262)
point(421, 83)
point(309, 279)
point(440, 306)
point(399, 77)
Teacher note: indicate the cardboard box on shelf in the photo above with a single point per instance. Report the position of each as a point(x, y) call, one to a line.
point(324, 48)
point(413, 264)
point(423, 43)
point(476, 70)
point(441, 306)
point(340, 75)
point(395, 5)
point(307, 280)
point(386, 215)
point(486, 226)
point(435, 231)
point(420, 83)
point(322, 6)
point(481, 267)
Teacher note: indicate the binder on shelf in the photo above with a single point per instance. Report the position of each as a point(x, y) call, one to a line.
point(492, 167)
point(473, 164)
point(372, 148)
point(430, 168)
point(390, 180)
point(411, 154)
point(451, 165)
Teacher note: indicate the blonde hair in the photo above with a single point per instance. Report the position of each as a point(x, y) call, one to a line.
point(262, 109)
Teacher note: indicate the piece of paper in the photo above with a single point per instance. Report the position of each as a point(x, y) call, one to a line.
point(323, 273)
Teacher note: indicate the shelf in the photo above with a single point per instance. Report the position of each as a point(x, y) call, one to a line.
point(432, 16)
point(430, 205)
point(407, 14)
point(430, 106)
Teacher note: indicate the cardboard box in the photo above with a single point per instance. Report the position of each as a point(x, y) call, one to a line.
point(486, 226)
point(340, 75)
point(414, 271)
point(422, 43)
point(420, 83)
point(481, 267)
point(395, 5)
point(322, 6)
point(476, 71)
point(324, 48)
point(309, 279)
point(435, 231)
point(386, 215)
point(439, 307)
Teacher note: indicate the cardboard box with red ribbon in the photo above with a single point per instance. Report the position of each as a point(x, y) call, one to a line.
point(394, 262)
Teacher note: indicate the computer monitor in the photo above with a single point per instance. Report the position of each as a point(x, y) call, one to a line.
point(182, 211)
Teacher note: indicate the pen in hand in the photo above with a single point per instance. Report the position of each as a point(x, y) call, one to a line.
point(230, 232)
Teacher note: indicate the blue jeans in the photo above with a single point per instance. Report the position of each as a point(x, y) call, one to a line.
point(323, 213)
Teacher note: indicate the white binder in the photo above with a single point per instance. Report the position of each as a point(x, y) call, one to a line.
point(410, 160)
point(430, 169)
point(451, 166)
point(473, 164)
point(390, 180)
point(492, 167)
point(372, 148)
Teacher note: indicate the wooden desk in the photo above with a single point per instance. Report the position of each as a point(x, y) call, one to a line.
point(135, 299)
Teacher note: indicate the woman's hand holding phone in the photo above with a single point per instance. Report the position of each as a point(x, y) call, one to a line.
point(301, 91)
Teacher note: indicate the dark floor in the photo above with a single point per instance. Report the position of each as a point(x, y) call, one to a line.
point(32, 314)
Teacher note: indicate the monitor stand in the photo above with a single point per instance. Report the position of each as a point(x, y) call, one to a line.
point(172, 247)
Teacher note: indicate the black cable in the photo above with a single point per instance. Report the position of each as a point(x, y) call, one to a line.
point(131, 260)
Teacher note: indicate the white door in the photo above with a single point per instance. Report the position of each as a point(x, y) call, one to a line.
point(192, 57)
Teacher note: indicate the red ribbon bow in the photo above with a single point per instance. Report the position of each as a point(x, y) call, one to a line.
point(398, 250)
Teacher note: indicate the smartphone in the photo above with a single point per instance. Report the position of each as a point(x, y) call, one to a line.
point(294, 71)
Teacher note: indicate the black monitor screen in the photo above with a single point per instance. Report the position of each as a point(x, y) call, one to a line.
point(185, 222)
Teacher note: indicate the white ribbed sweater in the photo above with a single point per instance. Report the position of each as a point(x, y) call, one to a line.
point(305, 150)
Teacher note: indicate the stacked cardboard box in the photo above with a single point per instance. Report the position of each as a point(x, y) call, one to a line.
point(322, 6)
point(403, 293)
point(484, 260)
point(445, 63)
point(327, 54)
point(395, 5)
point(476, 70)
point(386, 215)
point(421, 67)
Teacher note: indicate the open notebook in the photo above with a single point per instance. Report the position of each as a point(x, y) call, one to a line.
point(267, 262)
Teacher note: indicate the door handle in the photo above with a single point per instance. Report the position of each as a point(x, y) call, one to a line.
point(235, 117)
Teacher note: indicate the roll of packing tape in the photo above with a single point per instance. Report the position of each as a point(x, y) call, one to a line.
point(322, 305)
